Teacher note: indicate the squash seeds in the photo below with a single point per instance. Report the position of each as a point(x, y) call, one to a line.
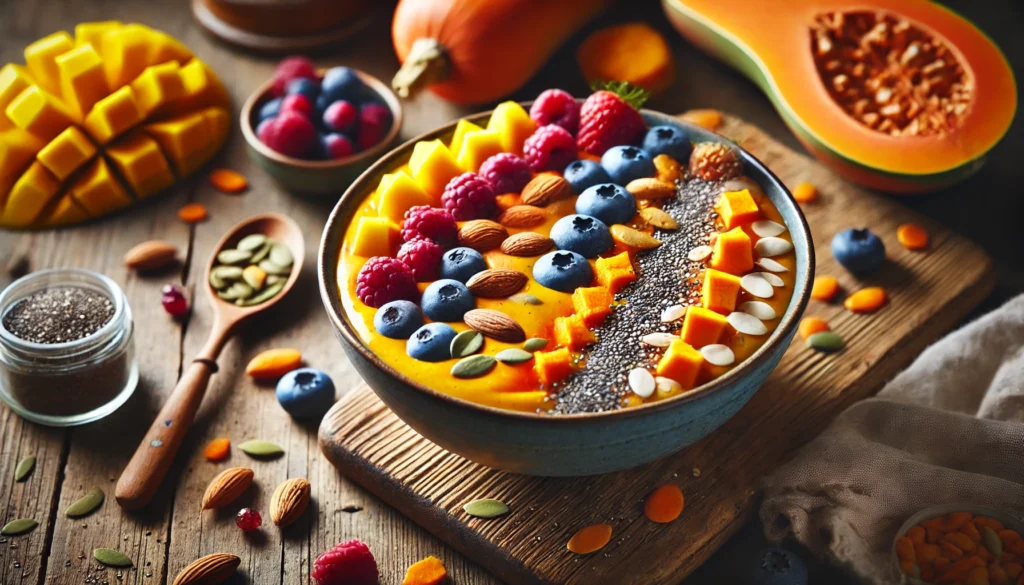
point(253, 272)
point(486, 508)
point(535, 344)
point(258, 448)
point(473, 366)
point(24, 468)
point(992, 541)
point(513, 355)
point(19, 526)
point(111, 557)
point(526, 299)
point(86, 504)
point(466, 344)
point(826, 341)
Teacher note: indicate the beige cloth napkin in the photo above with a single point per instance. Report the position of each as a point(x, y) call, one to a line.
point(949, 429)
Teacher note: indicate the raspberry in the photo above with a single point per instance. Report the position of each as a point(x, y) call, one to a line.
point(340, 116)
point(248, 519)
point(336, 146)
point(550, 148)
point(292, 68)
point(348, 563)
point(374, 123)
point(383, 279)
point(506, 172)
point(423, 256)
point(469, 196)
point(558, 107)
point(713, 161)
point(291, 134)
point(174, 301)
point(431, 223)
point(296, 102)
point(606, 121)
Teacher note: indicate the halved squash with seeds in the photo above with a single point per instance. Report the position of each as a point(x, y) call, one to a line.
point(900, 95)
point(92, 123)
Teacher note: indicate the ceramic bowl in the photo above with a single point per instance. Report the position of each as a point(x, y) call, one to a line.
point(316, 177)
point(568, 445)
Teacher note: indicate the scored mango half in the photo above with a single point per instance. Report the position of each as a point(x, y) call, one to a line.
point(94, 122)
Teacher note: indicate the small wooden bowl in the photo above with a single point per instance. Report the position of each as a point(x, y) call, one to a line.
point(317, 177)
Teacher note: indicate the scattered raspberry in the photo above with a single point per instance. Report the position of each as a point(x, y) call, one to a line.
point(374, 123)
point(337, 146)
point(432, 223)
point(423, 256)
point(383, 279)
point(607, 120)
point(340, 116)
point(558, 107)
point(292, 68)
point(469, 196)
point(713, 161)
point(291, 134)
point(296, 102)
point(506, 172)
point(174, 301)
point(549, 148)
point(348, 563)
point(248, 519)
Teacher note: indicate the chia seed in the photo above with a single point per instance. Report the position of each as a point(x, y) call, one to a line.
point(59, 315)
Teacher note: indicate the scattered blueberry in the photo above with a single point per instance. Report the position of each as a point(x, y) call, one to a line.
point(583, 234)
point(306, 87)
point(342, 83)
point(625, 163)
point(270, 109)
point(608, 202)
point(583, 173)
point(431, 343)
point(858, 250)
point(777, 566)
point(447, 300)
point(305, 393)
point(563, 270)
point(461, 264)
point(398, 319)
point(668, 140)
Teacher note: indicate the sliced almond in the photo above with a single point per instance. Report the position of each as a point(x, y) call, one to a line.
point(766, 228)
point(496, 283)
point(226, 487)
point(641, 382)
point(289, 501)
point(699, 253)
point(659, 218)
point(544, 189)
point(150, 255)
point(494, 324)
point(759, 309)
point(771, 265)
point(522, 216)
point(659, 339)
point(650, 188)
point(746, 324)
point(209, 570)
point(771, 246)
point(772, 279)
point(632, 238)
point(482, 234)
point(718, 354)
point(673, 313)
point(526, 244)
point(756, 285)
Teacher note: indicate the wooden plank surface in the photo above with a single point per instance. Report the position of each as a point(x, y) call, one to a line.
point(929, 293)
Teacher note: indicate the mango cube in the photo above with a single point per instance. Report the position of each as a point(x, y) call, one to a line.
point(553, 366)
point(477, 147)
point(125, 52)
point(592, 304)
point(375, 236)
point(82, 80)
point(41, 59)
point(513, 124)
point(184, 139)
point(14, 79)
point(39, 114)
point(163, 48)
point(139, 160)
point(92, 32)
point(64, 211)
point(29, 196)
point(572, 332)
point(461, 129)
point(737, 208)
point(733, 252)
point(113, 115)
point(433, 165)
point(219, 122)
point(681, 363)
point(17, 149)
point(614, 272)
point(98, 192)
point(720, 291)
point(398, 192)
point(702, 327)
point(202, 89)
point(158, 85)
point(67, 153)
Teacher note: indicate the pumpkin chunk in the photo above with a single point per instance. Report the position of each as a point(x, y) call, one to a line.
point(433, 165)
point(375, 236)
point(733, 252)
point(702, 327)
point(572, 332)
point(614, 272)
point(720, 291)
point(513, 124)
point(553, 366)
point(737, 208)
point(592, 304)
point(462, 128)
point(398, 193)
point(477, 147)
point(681, 363)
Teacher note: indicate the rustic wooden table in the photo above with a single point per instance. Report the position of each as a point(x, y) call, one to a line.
point(172, 531)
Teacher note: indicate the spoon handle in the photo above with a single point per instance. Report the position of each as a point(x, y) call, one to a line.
point(153, 458)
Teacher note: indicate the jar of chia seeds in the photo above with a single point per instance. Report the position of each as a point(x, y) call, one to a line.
point(66, 347)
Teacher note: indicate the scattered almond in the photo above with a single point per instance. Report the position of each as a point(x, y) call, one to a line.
point(496, 283)
point(659, 218)
point(150, 255)
point(226, 487)
point(482, 234)
point(650, 188)
point(289, 501)
point(526, 244)
point(522, 216)
point(494, 324)
point(209, 570)
point(544, 189)
point(632, 238)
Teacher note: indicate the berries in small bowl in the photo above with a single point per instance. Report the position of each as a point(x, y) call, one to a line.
point(316, 130)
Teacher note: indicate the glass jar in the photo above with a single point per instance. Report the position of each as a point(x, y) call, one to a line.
point(75, 382)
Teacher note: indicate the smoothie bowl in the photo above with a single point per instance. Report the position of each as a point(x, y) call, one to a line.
point(541, 309)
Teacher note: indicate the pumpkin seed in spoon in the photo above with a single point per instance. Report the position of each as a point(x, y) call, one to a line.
point(251, 242)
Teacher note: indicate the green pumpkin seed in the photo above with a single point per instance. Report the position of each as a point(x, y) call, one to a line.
point(238, 290)
point(262, 253)
point(526, 299)
point(265, 295)
point(826, 341)
point(466, 344)
point(992, 542)
point(258, 448)
point(251, 242)
point(270, 267)
point(215, 281)
point(274, 279)
point(111, 557)
point(231, 256)
point(473, 366)
point(86, 504)
point(281, 255)
point(535, 344)
point(228, 272)
point(20, 526)
point(24, 468)
point(513, 355)
point(486, 508)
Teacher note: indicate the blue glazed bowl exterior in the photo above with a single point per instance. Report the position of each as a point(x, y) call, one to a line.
point(569, 445)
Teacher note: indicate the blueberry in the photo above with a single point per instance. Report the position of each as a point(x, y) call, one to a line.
point(608, 202)
point(270, 109)
point(625, 163)
point(398, 319)
point(582, 174)
point(461, 264)
point(776, 566)
point(583, 234)
point(342, 83)
point(859, 251)
point(563, 270)
point(669, 140)
point(305, 393)
point(447, 300)
point(431, 343)
point(306, 87)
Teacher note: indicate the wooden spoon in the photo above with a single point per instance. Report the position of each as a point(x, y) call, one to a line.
point(153, 458)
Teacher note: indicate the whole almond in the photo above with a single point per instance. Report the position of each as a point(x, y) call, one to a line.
point(150, 255)
point(209, 570)
point(545, 188)
point(496, 283)
point(648, 188)
point(494, 324)
point(226, 487)
point(482, 234)
point(289, 501)
point(526, 244)
point(632, 238)
point(522, 216)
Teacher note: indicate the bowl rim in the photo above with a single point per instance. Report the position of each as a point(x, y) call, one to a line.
point(348, 204)
point(261, 94)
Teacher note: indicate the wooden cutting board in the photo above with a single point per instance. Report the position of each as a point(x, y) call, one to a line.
point(929, 292)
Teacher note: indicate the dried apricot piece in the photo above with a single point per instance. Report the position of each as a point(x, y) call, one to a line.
point(274, 363)
point(590, 539)
point(912, 236)
point(429, 571)
point(824, 288)
point(217, 449)
point(707, 119)
point(805, 192)
point(664, 504)
point(192, 213)
point(866, 300)
point(808, 327)
point(228, 181)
